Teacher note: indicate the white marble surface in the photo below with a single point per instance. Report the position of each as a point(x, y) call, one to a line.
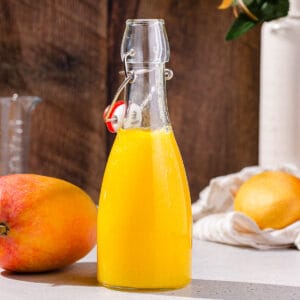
point(219, 272)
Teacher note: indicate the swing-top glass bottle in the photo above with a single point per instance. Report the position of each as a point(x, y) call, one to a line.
point(144, 224)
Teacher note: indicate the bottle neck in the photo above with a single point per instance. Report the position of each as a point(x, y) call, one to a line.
point(294, 10)
point(146, 97)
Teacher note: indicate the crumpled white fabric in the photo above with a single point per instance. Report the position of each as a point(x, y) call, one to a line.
point(215, 220)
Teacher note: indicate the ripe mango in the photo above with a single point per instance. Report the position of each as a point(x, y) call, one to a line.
point(45, 223)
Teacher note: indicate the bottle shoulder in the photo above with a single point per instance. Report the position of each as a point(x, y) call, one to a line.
point(282, 23)
point(284, 29)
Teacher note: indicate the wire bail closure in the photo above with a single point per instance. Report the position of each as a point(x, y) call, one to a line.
point(111, 118)
point(129, 77)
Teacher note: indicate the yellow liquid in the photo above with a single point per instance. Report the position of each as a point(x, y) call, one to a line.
point(144, 221)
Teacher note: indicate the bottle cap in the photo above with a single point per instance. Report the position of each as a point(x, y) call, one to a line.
point(115, 118)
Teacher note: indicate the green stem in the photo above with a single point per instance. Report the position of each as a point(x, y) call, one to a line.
point(3, 229)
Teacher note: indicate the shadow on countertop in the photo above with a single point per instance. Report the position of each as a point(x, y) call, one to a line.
point(84, 274)
point(77, 274)
point(217, 289)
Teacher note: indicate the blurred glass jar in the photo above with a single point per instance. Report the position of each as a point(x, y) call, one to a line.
point(15, 118)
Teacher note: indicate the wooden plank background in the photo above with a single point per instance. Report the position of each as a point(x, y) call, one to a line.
point(67, 52)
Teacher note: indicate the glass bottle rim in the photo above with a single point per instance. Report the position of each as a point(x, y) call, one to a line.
point(144, 21)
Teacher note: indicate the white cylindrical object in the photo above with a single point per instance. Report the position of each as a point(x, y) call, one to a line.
point(294, 8)
point(279, 133)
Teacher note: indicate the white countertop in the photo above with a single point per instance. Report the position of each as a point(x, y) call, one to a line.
point(219, 272)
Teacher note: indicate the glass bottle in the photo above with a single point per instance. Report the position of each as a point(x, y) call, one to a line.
point(279, 126)
point(15, 117)
point(144, 222)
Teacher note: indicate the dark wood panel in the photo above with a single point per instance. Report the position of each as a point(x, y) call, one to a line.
point(57, 50)
point(213, 97)
point(67, 52)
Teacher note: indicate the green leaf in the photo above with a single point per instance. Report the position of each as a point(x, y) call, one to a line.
point(241, 25)
point(271, 10)
point(264, 10)
point(249, 2)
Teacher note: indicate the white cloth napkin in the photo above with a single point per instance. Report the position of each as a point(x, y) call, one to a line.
point(215, 220)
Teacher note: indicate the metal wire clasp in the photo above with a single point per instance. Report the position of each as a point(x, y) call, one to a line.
point(129, 78)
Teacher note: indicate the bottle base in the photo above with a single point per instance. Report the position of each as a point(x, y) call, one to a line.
point(143, 289)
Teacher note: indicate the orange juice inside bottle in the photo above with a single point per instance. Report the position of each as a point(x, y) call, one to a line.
point(144, 216)
point(144, 219)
